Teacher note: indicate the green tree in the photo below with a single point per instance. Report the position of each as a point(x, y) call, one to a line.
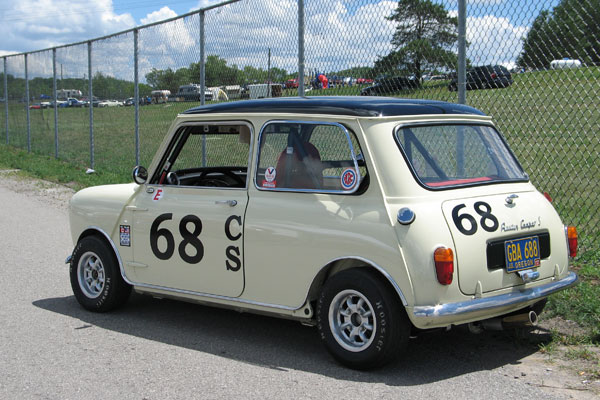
point(423, 40)
point(164, 79)
point(570, 30)
point(536, 49)
point(217, 73)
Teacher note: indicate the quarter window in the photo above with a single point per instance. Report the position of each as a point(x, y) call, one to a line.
point(309, 156)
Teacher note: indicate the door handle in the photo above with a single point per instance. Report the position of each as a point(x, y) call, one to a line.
point(231, 203)
point(134, 208)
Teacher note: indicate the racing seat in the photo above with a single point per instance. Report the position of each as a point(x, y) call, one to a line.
point(299, 166)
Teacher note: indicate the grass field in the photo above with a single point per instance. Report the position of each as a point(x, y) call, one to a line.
point(550, 119)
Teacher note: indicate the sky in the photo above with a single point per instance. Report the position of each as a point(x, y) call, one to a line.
point(339, 33)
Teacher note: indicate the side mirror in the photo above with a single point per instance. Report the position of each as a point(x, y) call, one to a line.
point(140, 175)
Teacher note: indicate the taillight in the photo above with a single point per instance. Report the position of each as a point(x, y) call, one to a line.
point(444, 265)
point(547, 196)
point(572, 237)
point(494, 75)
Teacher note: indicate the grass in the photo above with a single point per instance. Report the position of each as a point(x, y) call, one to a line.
point(51, 169)
point(581, 303)
point(549, 118)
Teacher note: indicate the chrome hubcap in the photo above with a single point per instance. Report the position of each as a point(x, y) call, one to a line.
point(91, 276)
point(352, 320)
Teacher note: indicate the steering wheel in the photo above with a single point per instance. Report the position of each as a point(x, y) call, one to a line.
point(172, 178)
point(205, 180)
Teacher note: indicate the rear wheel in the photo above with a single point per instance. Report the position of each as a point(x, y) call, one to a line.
point(360, 319)
point(95, 276)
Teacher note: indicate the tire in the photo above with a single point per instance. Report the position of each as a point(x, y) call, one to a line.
point(377, 327)
point(95, 276)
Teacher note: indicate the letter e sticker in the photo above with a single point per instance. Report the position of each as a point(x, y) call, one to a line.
point(158, 195)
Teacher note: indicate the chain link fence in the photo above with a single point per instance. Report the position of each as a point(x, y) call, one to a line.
point(534, 66)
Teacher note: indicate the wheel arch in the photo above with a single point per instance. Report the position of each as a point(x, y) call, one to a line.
point(341, 264)
point(105, 237)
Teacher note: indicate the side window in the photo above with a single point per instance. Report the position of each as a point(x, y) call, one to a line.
point(309, 156)
point(208, 155)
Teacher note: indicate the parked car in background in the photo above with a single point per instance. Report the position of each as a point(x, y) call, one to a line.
point(192, 92)
point(438, 78)
point(160, 96)
point(291, 83)
point(72, 102)
point(86, 103)
point(372, 218)
point(59, 103)
point(110, 103)
point(484, 77)
point(565, 63)
point(389, 85)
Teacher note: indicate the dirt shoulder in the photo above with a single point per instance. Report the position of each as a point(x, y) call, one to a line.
point(57, 196)
point(572, 371)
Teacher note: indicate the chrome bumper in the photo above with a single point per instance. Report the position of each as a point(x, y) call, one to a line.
point(476, 306)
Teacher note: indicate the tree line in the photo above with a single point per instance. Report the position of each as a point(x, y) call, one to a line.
point(570, 30)
point(104, 87)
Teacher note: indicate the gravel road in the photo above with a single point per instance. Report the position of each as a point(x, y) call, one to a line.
point(50, 348)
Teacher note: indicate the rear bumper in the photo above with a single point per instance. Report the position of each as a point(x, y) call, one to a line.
point(488, 307)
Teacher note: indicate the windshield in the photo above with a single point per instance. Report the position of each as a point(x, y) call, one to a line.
point(442, 156)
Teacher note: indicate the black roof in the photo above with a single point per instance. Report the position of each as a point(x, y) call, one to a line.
point(359, 106)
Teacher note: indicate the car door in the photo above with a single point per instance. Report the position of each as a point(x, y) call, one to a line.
point(187, 231)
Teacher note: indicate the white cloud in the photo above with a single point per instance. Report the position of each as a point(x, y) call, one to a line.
point(494, 40)
point(162, 14)
point(27, 25)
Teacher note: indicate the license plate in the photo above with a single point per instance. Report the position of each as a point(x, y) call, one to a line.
point(522, 253)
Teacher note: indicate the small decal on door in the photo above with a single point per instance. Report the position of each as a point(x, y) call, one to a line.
point(158, 195)
point(125, 235)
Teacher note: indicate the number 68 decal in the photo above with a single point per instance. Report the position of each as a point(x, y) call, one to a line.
point(488, 221)
point(190, 238)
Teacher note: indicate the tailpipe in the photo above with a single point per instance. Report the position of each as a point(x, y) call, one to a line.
point(509, 322)
point(527, 319)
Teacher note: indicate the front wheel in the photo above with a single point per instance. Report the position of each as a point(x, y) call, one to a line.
point(360, 319)
point(95, 276)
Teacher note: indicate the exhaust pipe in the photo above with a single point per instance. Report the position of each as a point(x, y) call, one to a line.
point(528, 319)
point(501, 323)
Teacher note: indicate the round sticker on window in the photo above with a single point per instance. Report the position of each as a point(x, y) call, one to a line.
point(348, 179)
point(270, 174)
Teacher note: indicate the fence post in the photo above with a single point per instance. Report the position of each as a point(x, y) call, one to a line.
point(91, 101)
point(300, 47)
point(55, 100)
point(202, 61)
point(202, 80)
point(462, 51)
point(6, 100)
point(136, 96)
point(27, 107)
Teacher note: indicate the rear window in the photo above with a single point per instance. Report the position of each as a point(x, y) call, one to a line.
point(445, 156)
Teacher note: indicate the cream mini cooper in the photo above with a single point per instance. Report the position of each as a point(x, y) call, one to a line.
point(368, 217)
